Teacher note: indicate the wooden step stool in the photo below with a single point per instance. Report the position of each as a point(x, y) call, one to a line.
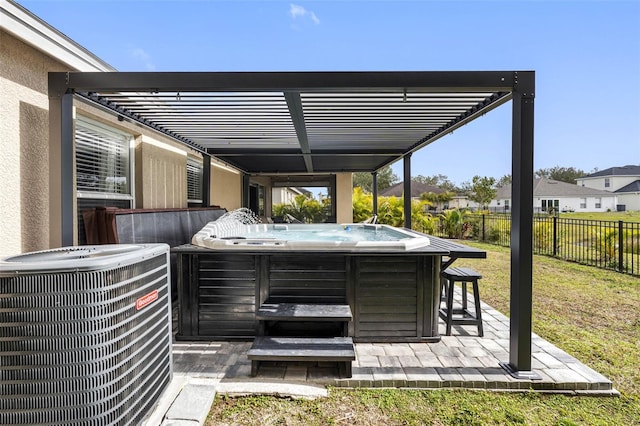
point(338, 349)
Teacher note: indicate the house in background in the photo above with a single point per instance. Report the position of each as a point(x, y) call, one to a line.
point(286, 195)
point(457, 201)
point(623, 181)
point(553, 195)
point(417, 189)
point(463, 202)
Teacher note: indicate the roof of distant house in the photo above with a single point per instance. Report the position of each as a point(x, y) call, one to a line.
point(553, 188)
point(417, 188)
point(632, 187)
point(629, 170)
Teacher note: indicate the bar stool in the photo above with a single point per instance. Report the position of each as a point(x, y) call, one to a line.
point(462, 315)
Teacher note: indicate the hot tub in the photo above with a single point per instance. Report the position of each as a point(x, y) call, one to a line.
point(308, 237)
point(390, 277)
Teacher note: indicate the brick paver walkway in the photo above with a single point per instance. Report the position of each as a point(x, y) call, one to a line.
point(461, 360)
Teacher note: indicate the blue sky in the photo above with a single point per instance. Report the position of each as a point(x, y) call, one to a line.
point(586, 55)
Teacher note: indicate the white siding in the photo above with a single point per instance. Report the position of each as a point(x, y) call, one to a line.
point(630, 201)
point(615, 182)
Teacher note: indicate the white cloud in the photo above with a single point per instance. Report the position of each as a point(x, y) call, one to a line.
point(142, 56)
point(297, 11)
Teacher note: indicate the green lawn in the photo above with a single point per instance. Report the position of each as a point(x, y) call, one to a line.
point(588, 312)
point(624, 216)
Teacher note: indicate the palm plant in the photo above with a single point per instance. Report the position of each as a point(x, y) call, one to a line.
point(452, 222)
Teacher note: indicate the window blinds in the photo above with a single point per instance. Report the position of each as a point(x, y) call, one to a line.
point(194, 180)
point(102, 159)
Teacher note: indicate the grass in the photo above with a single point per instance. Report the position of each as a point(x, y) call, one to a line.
point(630, 216)
point(588, 312)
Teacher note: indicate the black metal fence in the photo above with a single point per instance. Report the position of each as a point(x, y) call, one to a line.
point(613, 245)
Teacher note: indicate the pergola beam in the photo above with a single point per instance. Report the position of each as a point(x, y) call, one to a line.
point(154, 82)
point(297, 117)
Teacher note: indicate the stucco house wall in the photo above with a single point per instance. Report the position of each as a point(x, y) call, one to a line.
point(226, 186)
point(24, 137)
point(163, 171)
point(344, 201)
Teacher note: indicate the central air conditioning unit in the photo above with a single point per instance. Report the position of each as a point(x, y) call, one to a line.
point(85, 334)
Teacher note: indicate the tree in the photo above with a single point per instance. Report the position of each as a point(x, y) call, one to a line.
point(433, 198)
point(364, 180)
point(562, 174)
point(504, 180)
point(440, 181)
point(482, 190)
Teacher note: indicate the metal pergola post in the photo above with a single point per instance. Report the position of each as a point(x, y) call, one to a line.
point(374, 191)
point(246, 181)
point(61, 163)
point(206, 180)
point(407, 191)
point(521, 294)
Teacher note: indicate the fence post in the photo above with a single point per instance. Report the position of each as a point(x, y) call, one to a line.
point(483, 238)
point(555, 236)
point(620, 247)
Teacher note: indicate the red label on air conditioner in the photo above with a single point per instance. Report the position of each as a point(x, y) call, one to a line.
point(146, 300)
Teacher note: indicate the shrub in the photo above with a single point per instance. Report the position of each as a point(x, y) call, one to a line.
point(499, 231)
point(455, 225)
point(543, 237)
point(362, 205)
point(308, 210)
point(606, 246)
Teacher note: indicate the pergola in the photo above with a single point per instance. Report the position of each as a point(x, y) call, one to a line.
point(314, 123)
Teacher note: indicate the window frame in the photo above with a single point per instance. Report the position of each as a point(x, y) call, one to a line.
point(195, 164)
point(583, 203)
point(107, 130)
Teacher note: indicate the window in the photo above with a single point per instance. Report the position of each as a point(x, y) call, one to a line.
point(607, 183)
point(583, 203)
point(102, 160)
point(257, 199)
point(319, 190)
point(103, 169)
point(194, 180)
point(550, 205)
point(598, 203)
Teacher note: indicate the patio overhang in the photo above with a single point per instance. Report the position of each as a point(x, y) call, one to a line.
point(314, 123)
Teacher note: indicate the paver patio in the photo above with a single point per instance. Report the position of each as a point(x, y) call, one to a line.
point(461, 360)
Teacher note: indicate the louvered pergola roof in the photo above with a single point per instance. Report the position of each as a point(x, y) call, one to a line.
point(299, 122)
